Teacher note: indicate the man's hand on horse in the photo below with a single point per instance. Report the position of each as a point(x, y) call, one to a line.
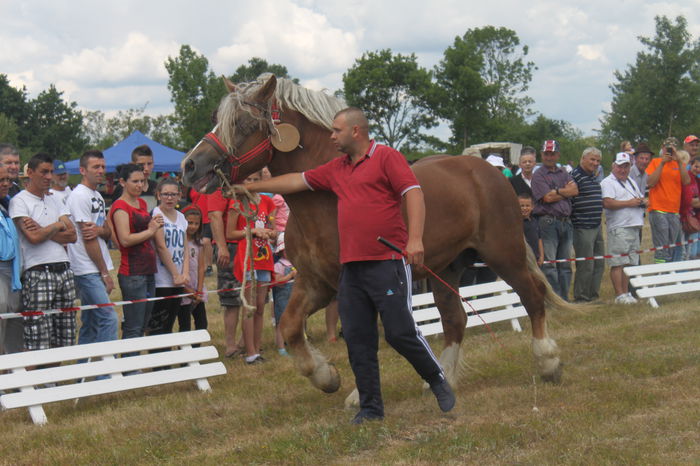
point(414, 252)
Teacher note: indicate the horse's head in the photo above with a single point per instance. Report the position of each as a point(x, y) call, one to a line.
point(240, 142)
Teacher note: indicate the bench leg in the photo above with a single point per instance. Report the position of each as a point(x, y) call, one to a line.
point(38, 415)
point(515, 323)
point(653, 303)
point(202, 384)
point(36, 412)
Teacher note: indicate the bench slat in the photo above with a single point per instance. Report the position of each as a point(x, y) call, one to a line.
point(468, 292)
point(99, 387)
point(667, 290)
point(484, 288)
point(435, 328)
point(102, 367)
point(496, 316)
point(651, 280)
point(71, 353)
point(660, 268)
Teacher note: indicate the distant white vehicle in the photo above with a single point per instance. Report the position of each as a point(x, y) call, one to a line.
point(510, 151)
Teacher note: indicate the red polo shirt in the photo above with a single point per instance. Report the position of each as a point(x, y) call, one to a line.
point(369, 201)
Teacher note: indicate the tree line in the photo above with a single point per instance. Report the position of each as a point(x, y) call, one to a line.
point(478, 88)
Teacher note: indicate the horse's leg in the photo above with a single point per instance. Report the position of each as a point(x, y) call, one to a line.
point(453, 317)
point(514, 262)
point(309, 360)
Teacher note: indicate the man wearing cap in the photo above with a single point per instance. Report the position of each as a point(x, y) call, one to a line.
point(59, 182)
point(665, 181)
point(624, 205)
point(691, 145)
point(497, 161)
point(522, 181)
point(9, 156)
point(586, 212)
point(552, 189)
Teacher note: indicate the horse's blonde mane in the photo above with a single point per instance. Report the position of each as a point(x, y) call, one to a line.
point(317, 106)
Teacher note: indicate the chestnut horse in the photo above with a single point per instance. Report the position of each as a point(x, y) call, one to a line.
point(470, 208)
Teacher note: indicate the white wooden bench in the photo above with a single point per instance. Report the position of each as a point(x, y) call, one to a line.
point(664, 279)
point(503, 305)
point(36, 386)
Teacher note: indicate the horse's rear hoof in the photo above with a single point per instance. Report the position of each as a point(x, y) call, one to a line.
point(554, 377)
point(326, 378)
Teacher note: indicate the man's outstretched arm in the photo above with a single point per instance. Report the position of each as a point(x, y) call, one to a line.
point(284, 184)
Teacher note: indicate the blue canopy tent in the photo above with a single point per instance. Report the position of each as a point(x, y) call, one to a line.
point(165, 159)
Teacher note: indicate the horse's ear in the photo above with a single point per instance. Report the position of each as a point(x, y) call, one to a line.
point(265, 93)
point(229, 85)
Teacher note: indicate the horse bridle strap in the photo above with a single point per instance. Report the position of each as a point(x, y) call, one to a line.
point(264, 146)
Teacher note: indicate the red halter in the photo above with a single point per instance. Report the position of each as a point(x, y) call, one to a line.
point(265, 146)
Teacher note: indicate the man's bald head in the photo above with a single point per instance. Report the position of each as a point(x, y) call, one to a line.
point(354, 117)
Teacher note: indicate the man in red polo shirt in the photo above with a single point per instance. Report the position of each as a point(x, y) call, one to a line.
point(371, 181)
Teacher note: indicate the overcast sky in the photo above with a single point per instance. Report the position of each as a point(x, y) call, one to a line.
point(109, 55)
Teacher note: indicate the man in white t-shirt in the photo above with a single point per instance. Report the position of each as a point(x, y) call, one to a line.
point(59, 181)
point(624, 206)
point(47, 280)
point(89, 255)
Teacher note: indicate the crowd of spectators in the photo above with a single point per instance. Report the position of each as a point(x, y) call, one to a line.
point(569, 208)
point(55, 247)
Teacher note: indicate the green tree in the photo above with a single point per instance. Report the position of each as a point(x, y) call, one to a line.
point(395, 94)
point(13, 101)
point(257, 66)
point(482, 79)
point(8, 129)
point(104, 132)
point(656, 96)
point(53, 126)
point(195, 92)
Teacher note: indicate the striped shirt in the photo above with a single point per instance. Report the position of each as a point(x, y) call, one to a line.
point(587, 207)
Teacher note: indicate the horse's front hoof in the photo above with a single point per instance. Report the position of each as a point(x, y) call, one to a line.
point(326, 378)
point(555, 376)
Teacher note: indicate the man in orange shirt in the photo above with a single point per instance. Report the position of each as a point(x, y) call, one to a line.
point(666, 178)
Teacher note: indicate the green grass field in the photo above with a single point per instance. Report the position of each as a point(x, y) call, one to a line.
point(630, 395)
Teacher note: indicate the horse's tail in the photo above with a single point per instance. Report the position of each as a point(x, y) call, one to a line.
point(551, 299)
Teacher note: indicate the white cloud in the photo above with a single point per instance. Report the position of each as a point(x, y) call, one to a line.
point(109, 55)
point(138, 59)
point(591, 52)
point(285, 33)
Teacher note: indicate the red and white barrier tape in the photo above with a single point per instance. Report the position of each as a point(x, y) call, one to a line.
point(12, 315)
point(610, 256)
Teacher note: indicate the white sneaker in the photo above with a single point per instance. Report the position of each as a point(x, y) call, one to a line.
point(625, 299)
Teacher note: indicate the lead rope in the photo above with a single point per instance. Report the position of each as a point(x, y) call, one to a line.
point(232, 192)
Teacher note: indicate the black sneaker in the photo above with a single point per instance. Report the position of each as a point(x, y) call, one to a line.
point(444, 395)
point(208, 271)
point(364, 416)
